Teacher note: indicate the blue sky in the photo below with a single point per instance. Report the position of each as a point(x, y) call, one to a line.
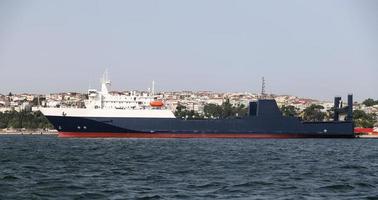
point(315, 49)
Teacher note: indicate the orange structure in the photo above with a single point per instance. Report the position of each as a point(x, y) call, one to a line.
point(156, 103)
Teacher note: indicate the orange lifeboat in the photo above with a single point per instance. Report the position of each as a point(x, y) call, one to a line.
point(156, 103)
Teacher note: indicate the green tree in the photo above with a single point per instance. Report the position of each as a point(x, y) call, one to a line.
point(184, 113)
point(191, 114)
point(330, 113)
point(313, 113)
point(180, 109)
point(212, 110)
point(370, 102)
point(24, 119)
point(3, 121)
point(290, 111)
point(227, 109)
point(241, 110)
point(362, 119)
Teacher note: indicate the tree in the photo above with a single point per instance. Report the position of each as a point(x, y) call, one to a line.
point(212, 110)
point(24, 119)
point(313, 113)
point(330, 113)
point(191, 114)
point(182, 112)
point(364, 120)
point(3, 121)
point(227, 109)
point(289, 111)
point(370, 102)
point(241, 110)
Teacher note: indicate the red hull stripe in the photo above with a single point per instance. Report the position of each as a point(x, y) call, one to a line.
point(183, 135)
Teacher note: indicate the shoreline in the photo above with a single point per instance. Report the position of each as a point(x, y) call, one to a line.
point(28, 132)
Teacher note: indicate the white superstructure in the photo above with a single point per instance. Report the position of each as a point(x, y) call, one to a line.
point(103, 100)
point(106, 104)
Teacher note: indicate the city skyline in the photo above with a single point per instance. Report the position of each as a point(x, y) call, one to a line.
point(315, 49)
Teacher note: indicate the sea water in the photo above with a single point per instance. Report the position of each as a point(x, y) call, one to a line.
point(47, 167)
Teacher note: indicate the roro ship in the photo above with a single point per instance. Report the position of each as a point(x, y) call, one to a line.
point(142, 116)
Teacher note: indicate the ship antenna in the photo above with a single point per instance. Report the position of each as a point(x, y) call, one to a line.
point(263, 94)
point(153, 88)
point(106, 75)
point(105, 82)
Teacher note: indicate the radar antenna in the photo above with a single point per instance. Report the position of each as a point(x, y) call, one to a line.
point(153, 88)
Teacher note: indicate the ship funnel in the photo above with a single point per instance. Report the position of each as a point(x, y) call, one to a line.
point(336, 108)
point(350, 107)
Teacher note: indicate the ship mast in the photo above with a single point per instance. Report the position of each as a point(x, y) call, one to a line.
point(153, 88)
point(263, 94)
point(105, 82)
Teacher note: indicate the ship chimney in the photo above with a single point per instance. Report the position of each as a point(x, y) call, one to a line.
point(350, 107)
point(336, 108)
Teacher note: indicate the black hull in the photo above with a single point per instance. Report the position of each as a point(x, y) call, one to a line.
point(249, 127)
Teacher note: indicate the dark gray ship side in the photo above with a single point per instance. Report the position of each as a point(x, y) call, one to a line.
point(264, 120)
